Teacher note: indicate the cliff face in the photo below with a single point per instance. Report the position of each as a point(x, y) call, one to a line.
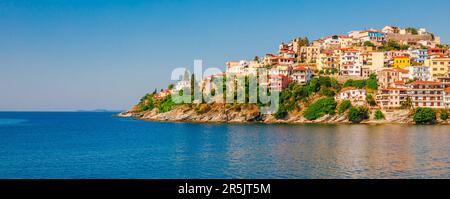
point(220, 113)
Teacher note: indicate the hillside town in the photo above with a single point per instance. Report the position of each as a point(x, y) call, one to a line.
point(408, 63)
point(410, 66)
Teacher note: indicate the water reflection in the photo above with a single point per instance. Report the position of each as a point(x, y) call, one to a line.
point(343, 151)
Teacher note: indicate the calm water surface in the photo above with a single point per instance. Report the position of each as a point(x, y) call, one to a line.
point(96, 145)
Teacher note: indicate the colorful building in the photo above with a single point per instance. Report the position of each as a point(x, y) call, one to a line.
point(278, 82)
point(439, 66)
point(401, 62)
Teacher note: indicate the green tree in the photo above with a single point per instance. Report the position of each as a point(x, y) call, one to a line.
point(370, 100)
point(358, 114)
point(444, 115)
point(281, 113)
point(348, 83)
point(320, 108)
point(359, 83)
point(166, 105)
point(379, 115)
point(368, 43)
point(372, 82)
point(302, 41)
point(344, 106)
point(412, 30)
point(424, 116)
point(406, 104)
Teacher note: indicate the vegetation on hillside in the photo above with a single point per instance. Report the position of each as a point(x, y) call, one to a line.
point(358, 114)
point(370, 83)
point(393, 45)
point(443, 115)
point(424, 116)
point(344, 106)
point(379, 115)
point(320, 108)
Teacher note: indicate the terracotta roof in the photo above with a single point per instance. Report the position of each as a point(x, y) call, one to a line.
point(350, 50)
point(424, 82)
point(440, 57)
point(300, 67)
point(402, 70)
point(399, 82)
point(401, 57)
point(393, 88)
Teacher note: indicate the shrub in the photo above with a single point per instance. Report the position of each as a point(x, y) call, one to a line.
point(406, 104)
point(146, 103)
point(348, 83)
point(444, 115)
point(344, 106)
point(359, 83)
point(370, 100)
point(281, 113)
point(166, 105)
point(327, 92)
point(372, 82)
point(424, 116)
point(358, 114)
point(379, 115)
point(320, 108)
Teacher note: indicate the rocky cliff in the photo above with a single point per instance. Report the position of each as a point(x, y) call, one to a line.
point(222, 113)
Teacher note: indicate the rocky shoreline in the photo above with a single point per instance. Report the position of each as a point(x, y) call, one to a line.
point(250, 114)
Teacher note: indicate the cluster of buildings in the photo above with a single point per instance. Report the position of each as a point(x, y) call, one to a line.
point(416, 69)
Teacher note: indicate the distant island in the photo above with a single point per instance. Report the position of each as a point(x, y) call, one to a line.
point(373, 76)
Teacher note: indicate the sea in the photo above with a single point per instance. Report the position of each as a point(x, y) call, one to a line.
point(96, 145)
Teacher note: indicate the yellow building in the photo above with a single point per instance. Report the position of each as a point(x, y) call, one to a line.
point(401, 62)
point(439, 66)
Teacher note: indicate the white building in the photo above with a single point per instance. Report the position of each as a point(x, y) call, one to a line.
point(357, 96)
point(350, 62)
point(419, 73)
point(285, 70)
point(447, 98)
point(237, 68)
point(418, 55)
point(301, 74)
point(180, 85)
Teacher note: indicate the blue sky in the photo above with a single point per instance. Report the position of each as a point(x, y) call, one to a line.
point(86, 54)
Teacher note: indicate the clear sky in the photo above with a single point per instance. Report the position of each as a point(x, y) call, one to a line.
point(90, 54)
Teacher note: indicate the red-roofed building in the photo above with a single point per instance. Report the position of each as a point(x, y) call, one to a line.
point(278, 82)
point(301, 74)
point(386, 77)
point(350, 62)
point(436, 51)
point(403, 74)
point(391, 97)
point(275, 59)
point(426, 94)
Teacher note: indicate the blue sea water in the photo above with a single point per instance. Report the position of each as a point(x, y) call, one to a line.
point(97, 145)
